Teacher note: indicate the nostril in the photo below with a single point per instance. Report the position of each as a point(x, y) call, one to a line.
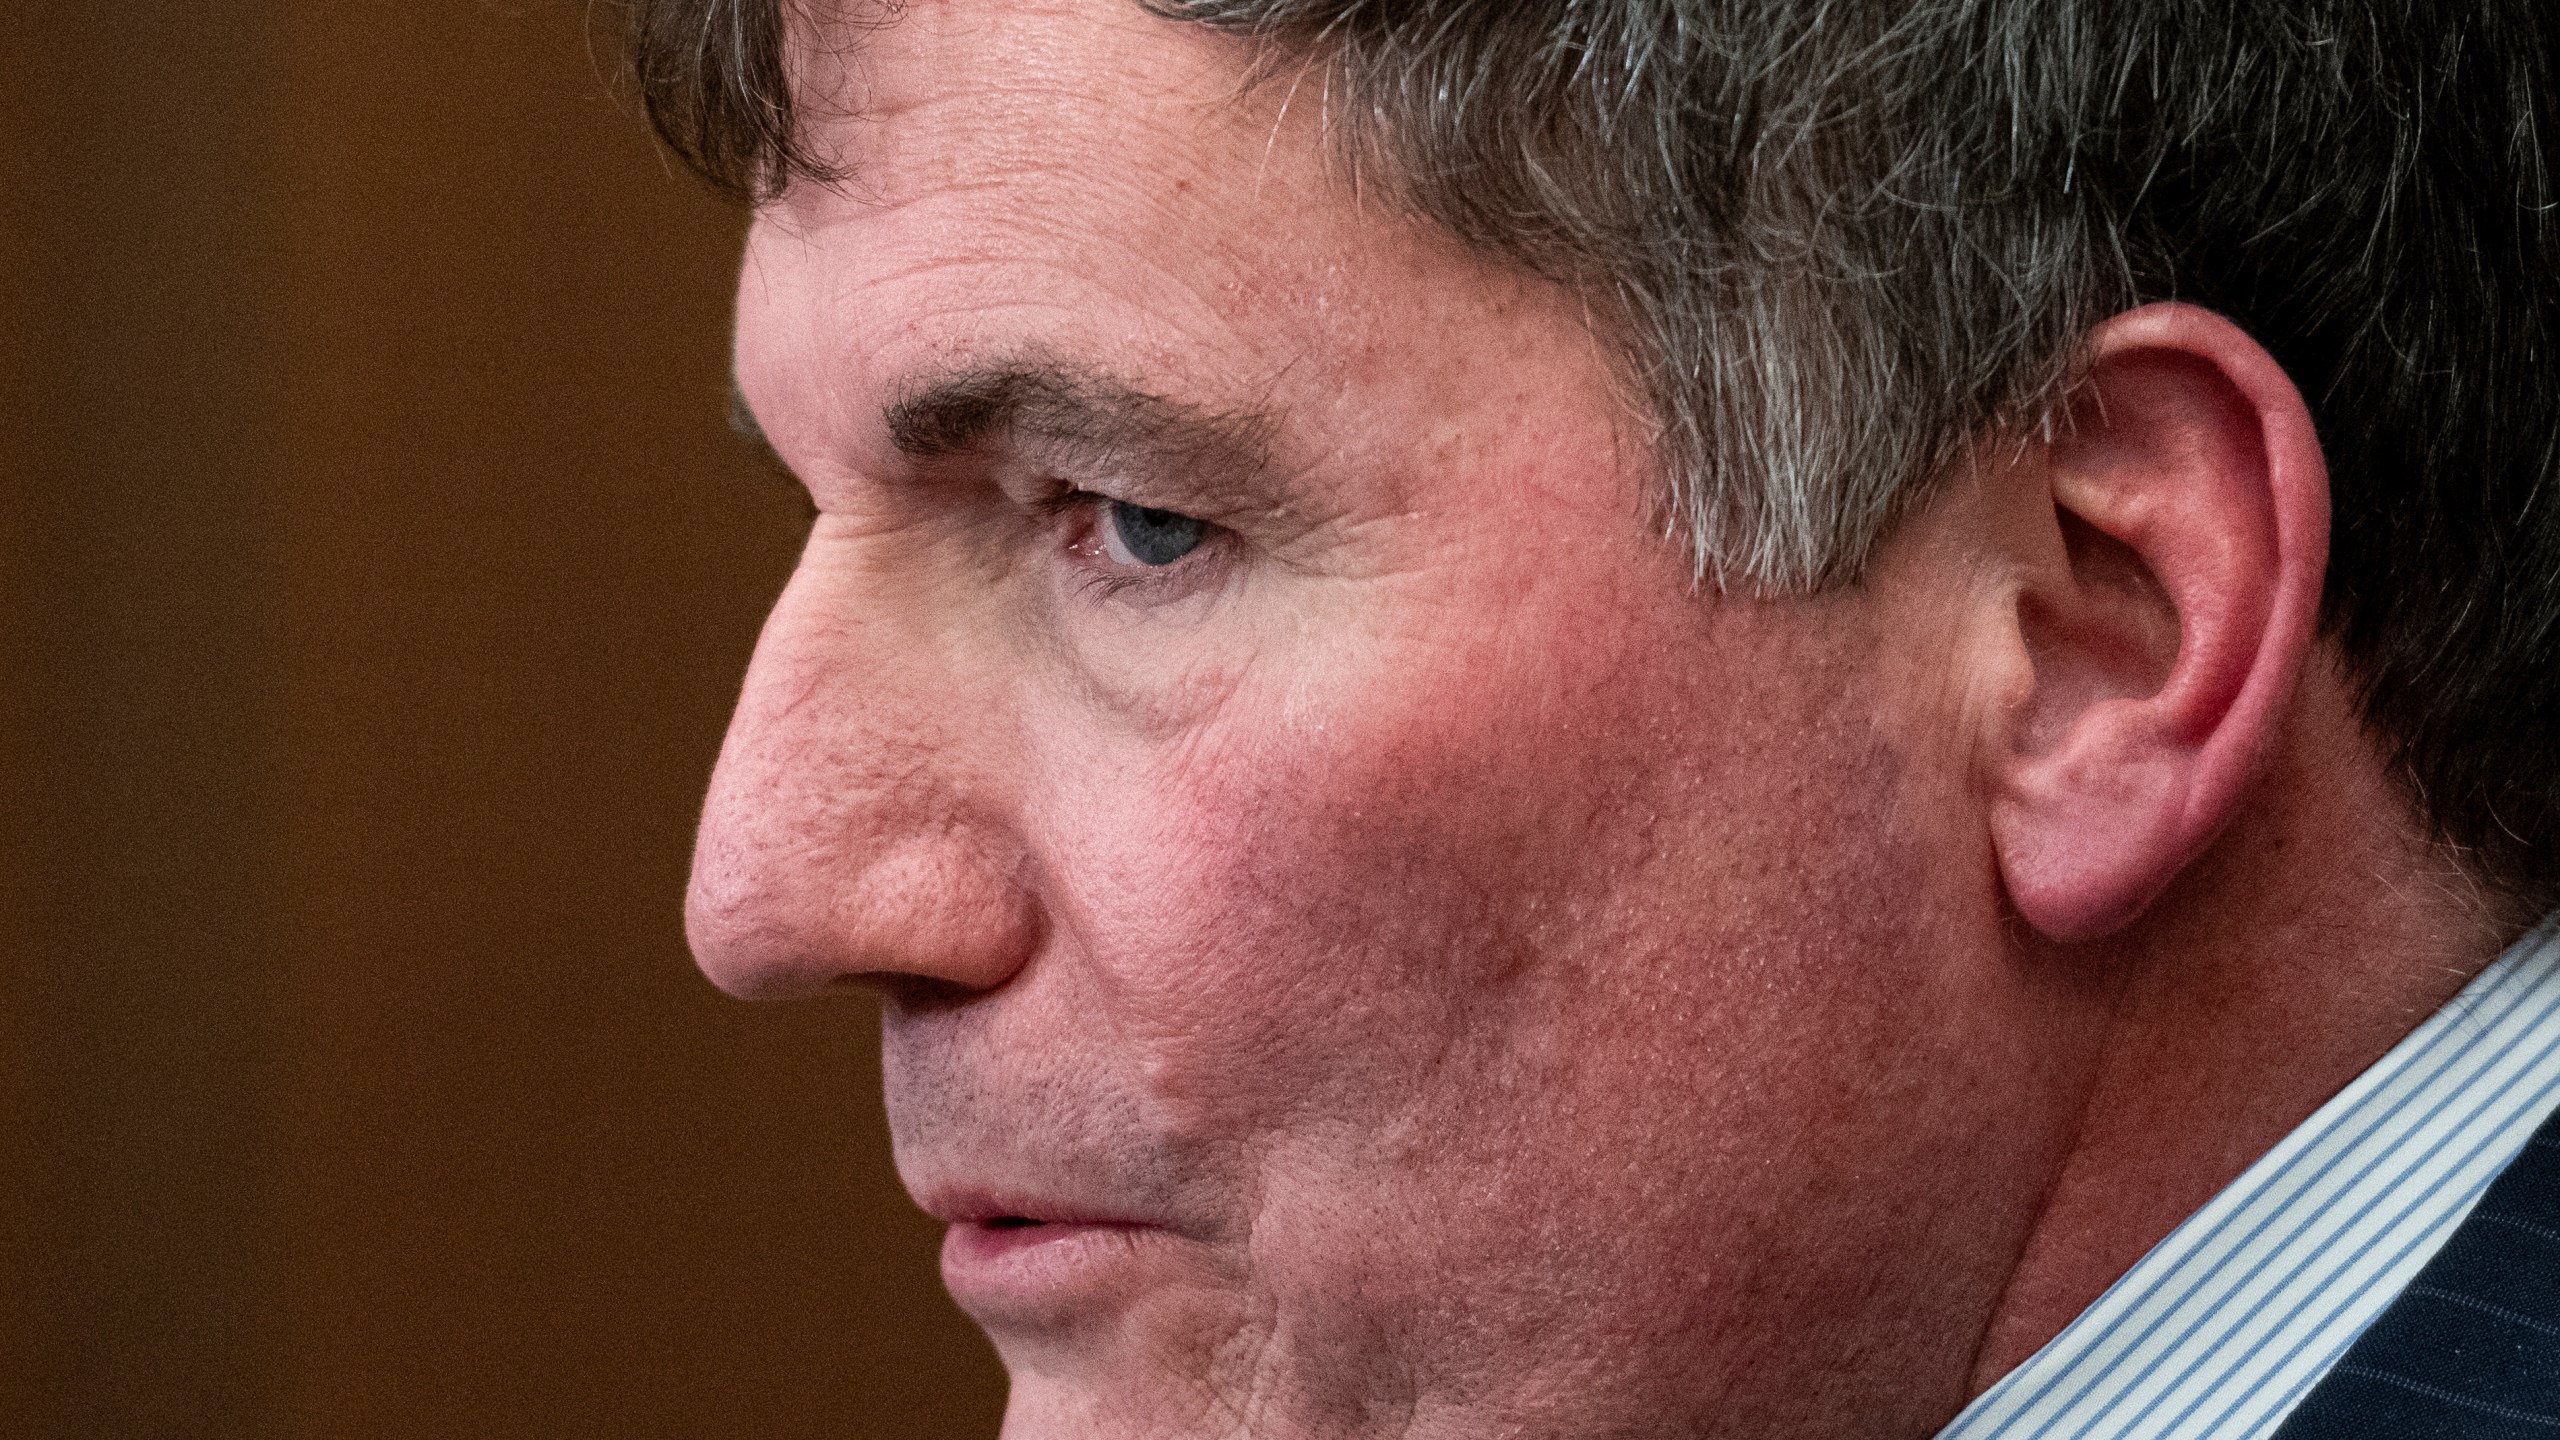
point(912, 994)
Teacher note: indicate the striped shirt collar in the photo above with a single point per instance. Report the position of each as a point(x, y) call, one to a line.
point(2223, 1327)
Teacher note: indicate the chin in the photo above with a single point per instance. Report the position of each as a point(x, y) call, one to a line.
point(1122, 1378)
point(1043, 1409)
point(1129, 1335)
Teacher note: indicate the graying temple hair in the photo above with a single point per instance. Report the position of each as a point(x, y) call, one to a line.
point(1770, 207)
point(1839, 242)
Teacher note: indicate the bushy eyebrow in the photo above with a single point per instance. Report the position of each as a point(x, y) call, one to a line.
point(1080, 419)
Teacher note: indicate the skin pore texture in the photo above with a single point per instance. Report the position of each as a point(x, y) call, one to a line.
point(1430, 971)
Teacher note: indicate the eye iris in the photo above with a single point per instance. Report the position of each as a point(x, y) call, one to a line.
point(1155, 537)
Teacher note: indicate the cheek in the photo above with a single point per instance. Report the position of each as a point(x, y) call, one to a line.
point(1494, 972)
point(1306, 909)
point(1534, 977)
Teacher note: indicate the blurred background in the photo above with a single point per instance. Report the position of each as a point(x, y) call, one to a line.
point(376, 571)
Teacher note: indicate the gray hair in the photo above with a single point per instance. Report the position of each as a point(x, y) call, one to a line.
point(1775, 213)
point(1840, 242)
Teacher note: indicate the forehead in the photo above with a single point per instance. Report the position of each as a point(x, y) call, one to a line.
point(1077, 178)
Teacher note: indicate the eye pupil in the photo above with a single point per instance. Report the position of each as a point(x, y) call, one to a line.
point(1155, 537)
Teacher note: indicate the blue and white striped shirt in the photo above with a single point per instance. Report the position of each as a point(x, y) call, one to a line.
point(2223, 1328)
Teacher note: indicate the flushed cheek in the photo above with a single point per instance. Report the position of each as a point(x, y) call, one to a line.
point(1555, 1006)
point(1308, 951)
point(1301, 909)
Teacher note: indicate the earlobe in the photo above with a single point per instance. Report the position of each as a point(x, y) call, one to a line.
point(2169, 576)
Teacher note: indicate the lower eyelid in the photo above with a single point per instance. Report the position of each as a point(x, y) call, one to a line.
point(1100, 578)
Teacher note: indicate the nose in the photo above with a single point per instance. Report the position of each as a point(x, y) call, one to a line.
point(854, 830)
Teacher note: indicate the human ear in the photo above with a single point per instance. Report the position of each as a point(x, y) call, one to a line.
point(2168, 585)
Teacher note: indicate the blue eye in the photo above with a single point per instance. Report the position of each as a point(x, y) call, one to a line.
point(1136, 535)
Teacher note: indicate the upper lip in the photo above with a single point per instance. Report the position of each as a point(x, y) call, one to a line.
point(977, 1205)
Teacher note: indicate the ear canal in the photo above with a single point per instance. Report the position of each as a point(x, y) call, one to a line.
point(2108, 632)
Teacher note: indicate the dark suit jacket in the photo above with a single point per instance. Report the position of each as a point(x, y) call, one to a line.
point(2471, 1350)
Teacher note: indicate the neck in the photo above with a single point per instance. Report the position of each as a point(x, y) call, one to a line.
point(2318, 931)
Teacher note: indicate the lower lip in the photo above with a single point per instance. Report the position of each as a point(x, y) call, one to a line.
point(1012, 1268)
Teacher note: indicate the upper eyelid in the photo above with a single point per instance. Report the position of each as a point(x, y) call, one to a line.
point(1066, 485)
point(1068, 496)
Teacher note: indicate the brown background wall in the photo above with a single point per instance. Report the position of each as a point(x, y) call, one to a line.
point(375, 574)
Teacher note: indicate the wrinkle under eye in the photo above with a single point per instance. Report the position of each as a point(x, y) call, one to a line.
point(1137, 535)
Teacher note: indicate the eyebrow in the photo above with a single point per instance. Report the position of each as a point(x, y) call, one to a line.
point(1082, 419)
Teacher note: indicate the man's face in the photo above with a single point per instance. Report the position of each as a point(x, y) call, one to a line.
point(1431, 972)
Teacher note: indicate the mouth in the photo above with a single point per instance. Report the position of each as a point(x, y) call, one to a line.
point(1022, 1261)
point(1000, 1235)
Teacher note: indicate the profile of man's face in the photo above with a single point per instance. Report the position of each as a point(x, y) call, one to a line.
point(1390, 956)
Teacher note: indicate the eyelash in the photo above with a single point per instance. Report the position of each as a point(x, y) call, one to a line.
point(1068, 502)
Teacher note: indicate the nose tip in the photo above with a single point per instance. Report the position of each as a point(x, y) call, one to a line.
point(768, 924)
point(861, 825)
